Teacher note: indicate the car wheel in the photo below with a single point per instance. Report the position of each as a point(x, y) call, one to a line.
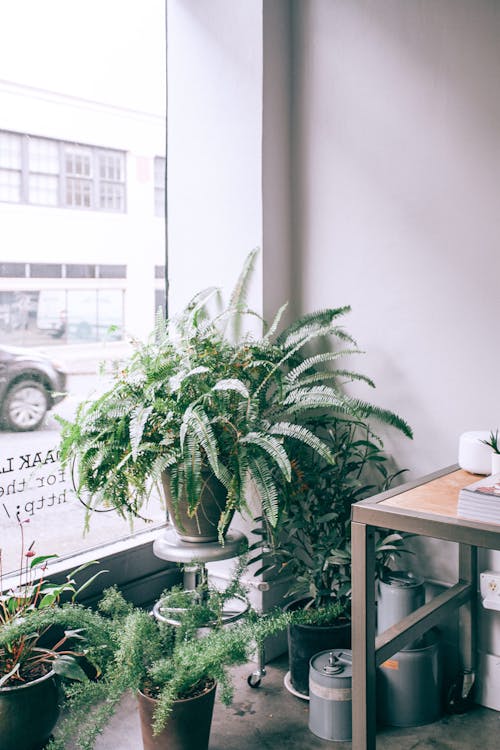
point(25, 406)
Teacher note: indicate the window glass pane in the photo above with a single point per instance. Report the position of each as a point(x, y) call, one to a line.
point(76, 284)
point(43, 155)
point(44, 189)
point(10, 186)
point(10, 150)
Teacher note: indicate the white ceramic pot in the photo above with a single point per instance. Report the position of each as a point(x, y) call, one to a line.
point(495, 463)
point(473, 455)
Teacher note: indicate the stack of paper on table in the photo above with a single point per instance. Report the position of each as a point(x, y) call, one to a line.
point(480, 501)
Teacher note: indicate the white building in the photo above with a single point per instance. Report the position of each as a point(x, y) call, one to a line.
point(82, 162)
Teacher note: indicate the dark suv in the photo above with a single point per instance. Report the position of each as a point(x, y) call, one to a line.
point(30, 385)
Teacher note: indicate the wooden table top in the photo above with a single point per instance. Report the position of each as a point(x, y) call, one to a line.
point(439, 496)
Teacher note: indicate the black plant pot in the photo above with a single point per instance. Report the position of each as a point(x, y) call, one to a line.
point(306, 640)
point(188, 726)
point(28, 713)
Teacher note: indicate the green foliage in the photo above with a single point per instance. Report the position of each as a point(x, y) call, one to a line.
point(36, 650)
point(313, 543)
point(199, 395)
point(492, 442)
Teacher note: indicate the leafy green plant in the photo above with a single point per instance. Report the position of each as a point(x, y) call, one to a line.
point(164, 662)
point(199, 397)
point(492, 442)
point(204, 606)
point(35, 652)
point(313, 543)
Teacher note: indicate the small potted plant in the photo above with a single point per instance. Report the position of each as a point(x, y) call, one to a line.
point(493, 442)
point(208, 414)
point(40, 642)
point(173, 671)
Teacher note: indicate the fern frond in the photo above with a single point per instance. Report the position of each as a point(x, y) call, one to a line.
point(304, 435)
point(138, 420)
point(274, 325)
point(266, 487)
point(196, 421)
point(318, 397)
point(317, 359)
point(232, 384)
point(309, 333)
point(273, 448)
point(364, 410)
point(238, 296)
point(351, 376)
point(318, 318)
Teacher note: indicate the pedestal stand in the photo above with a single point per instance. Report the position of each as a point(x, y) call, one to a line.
point(194, 557)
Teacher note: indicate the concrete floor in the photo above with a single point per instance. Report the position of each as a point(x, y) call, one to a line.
point(270, 718)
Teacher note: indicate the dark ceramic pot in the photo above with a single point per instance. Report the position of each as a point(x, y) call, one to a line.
point(202, 526)
point(28, 713)
point(304, 641)
point(188, 726)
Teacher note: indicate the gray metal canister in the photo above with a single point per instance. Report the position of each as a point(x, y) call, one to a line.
point(330, 695)
point(399, 594)
point(409, 685)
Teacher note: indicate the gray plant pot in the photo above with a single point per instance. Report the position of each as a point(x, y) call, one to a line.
point(202, 526)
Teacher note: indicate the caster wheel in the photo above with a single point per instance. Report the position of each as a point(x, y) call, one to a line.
point(253, 680)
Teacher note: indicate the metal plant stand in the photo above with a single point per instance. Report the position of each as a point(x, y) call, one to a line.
point(194, 556)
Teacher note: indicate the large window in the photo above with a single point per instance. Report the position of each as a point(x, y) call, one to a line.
point(76, 286)
point(46, 172)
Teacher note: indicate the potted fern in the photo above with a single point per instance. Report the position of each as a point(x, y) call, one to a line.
point(206, 414)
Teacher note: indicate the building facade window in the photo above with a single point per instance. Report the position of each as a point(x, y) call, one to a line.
point(46, 172)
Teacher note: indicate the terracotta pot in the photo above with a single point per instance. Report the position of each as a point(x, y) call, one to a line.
point(202, 527)
point(188, 726)
point(304, 641)
point(28, 713)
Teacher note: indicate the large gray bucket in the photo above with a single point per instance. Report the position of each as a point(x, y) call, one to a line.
point(330, 695)
point(409, 685)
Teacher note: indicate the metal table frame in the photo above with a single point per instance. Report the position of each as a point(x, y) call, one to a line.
point(370, 651)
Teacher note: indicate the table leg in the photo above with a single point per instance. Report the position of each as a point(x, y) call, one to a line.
point(363, 637)
point(467, 622)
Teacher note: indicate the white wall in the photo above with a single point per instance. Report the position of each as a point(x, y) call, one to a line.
point(398, 143)
point(214, 144)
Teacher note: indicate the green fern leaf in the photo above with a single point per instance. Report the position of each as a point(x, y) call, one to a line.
point(138, 420)
point(301, 433)
point(317, 359)
point(266, 487)
point(273, 448)
point(318, 318)
point(196, 421)
point(274, 325)
point(232, 384)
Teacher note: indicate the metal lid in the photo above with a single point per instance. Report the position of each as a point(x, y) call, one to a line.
point(402, 579)
point(333, 663)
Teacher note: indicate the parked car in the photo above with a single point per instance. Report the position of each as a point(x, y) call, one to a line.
point(30, 385)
